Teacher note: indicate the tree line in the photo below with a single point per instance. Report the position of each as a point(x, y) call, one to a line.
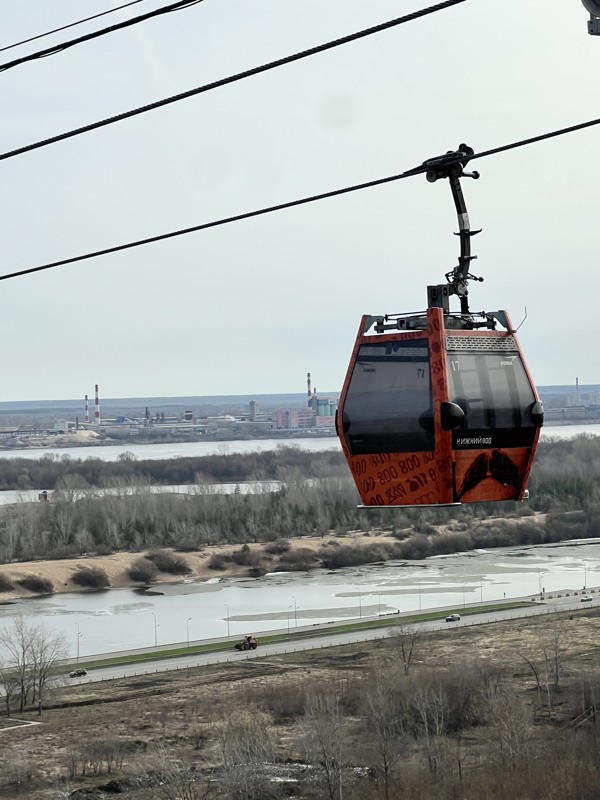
point(63, 472)
point(565, 473)
point(316, 496)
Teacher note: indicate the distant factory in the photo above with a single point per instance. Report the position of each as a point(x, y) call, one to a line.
point(572, 406)
point(318, 415)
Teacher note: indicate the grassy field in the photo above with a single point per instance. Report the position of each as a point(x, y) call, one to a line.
point(94, 733)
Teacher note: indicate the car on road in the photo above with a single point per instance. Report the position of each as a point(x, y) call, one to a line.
point(78, 673)
point(453, 618)
point(586, 598)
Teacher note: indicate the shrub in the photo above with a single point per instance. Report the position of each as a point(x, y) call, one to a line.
point(257, 572)
point(91, 578)
point(278, 547)
point(37, 584)
point(104, 550)
point(218, 561)
point(65, 551)
point(246, 557)
point(284, 702)
point(298, 560)
point(169, 562)
point(143, 571)
point(6, 585)
point(345, 556)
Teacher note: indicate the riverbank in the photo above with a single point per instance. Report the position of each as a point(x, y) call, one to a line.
point(218, 561)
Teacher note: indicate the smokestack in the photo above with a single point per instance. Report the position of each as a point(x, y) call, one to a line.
point(86, 408)
point(97, 411)
point(308, 387)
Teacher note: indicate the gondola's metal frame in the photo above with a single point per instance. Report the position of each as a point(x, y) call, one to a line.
point(439, 476)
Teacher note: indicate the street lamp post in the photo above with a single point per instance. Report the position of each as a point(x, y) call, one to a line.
point(295, 612)
point(79, 635)
point(288, 619)
point(155, 627)
point(187, 627)
point(464, 599)
point(379, 604)
point(359, 605)
point(227, 609)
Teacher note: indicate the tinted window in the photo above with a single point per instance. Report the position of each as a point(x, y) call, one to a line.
point(492, 389)
point(388, 406)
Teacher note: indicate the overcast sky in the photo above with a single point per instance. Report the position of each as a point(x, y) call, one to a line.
point(251, 307)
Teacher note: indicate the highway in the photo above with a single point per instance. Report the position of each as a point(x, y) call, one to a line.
point(551, 604)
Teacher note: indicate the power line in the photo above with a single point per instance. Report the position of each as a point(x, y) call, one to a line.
point(64, 27)
point(230, 79)
point(290, 204)
point(50, 51)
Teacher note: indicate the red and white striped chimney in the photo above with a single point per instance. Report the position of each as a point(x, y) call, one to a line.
point(97, 411)
point(87, 410)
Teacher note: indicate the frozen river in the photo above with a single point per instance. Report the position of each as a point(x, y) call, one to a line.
point(189, 449)
point(121, 619)
point(195, 449)
point(124, 618)
point(176, 450)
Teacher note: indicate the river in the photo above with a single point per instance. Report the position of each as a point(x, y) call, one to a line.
point(187, 449)
point(123, 619)
point(175, 449)
point(195, 449)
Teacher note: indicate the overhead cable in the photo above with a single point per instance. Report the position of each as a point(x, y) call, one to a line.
point(64, 27)
point(58, 48)
point(230, 79)
point(289, 204)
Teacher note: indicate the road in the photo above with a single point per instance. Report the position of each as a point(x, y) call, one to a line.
point(550, 605)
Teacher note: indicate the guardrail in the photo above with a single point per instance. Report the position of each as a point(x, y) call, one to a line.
point(377, 634)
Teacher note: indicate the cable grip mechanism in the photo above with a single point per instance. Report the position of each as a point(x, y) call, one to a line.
point(452, 165)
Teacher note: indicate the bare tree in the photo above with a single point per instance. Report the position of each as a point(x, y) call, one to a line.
point(247, 750)
point(510, 726)
point(10, 682)
point(384, 722)
point(403, 639)
point(546, 658)
point(167, 778)
point(49, 648)
point(17, 641)
point(32, 657)
point(324, 734)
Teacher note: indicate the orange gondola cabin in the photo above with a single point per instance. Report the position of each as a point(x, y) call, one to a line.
point(439, 408)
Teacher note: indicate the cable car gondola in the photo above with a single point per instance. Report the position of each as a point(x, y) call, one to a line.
point(438, 407)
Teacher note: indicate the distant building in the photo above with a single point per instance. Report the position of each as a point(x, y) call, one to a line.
point(324, 409)
point(320, 414)
point(292, 418)
point(60, 426)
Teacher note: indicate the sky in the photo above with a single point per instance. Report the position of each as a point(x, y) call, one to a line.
point(253, 306)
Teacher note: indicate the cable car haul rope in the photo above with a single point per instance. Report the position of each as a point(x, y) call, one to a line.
point(438, 407)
